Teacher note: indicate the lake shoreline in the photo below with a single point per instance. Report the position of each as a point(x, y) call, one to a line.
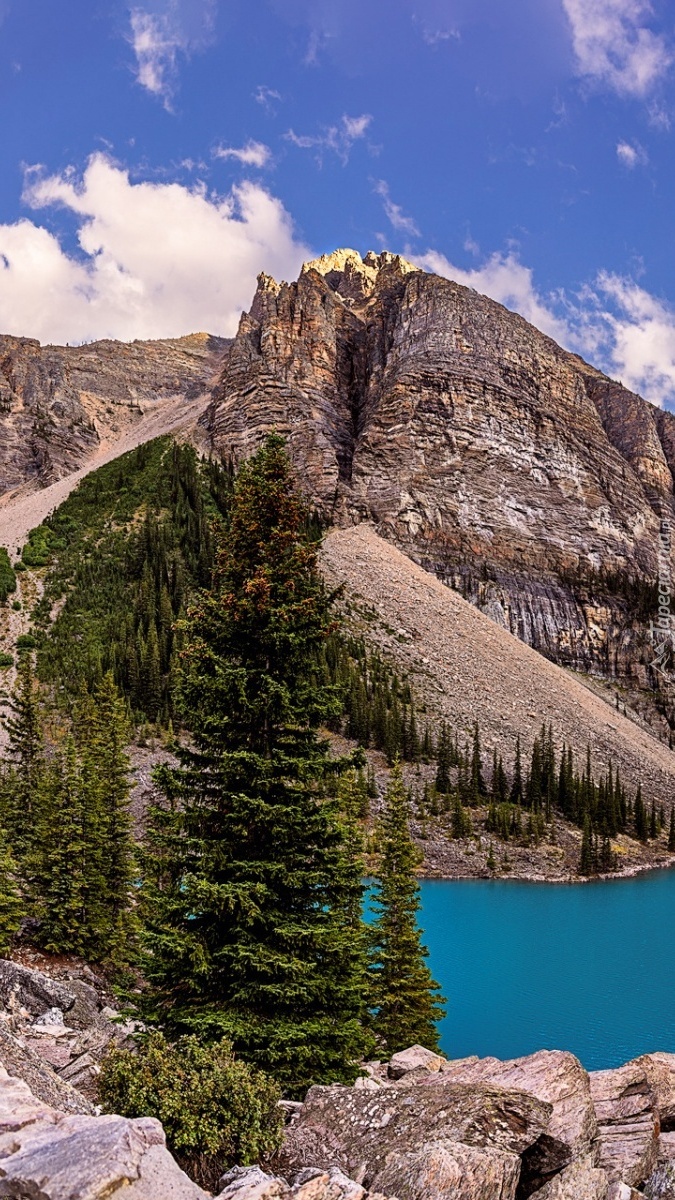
point(553, 860)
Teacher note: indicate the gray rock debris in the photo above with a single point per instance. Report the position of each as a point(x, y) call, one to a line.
point(582, 1180)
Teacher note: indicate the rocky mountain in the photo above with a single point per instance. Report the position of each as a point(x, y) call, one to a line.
point(504, 464)
point(61, 404)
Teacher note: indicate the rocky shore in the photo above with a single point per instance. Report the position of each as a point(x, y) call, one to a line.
point(419, 1127)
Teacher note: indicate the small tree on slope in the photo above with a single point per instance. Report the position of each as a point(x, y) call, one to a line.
point(405, 1000)
point(249, 872)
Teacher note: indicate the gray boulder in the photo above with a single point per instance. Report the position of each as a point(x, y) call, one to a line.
point(555, 1077)
point(415, 1058)
point(250, 1183)
point(628, 1124)
point(20, 987)
point(582, 1180)
point(46, 1155)
point(358, 1130)
point(450, 1170)
point(660, 1071)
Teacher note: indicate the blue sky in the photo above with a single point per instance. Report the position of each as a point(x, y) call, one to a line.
point(156, 156)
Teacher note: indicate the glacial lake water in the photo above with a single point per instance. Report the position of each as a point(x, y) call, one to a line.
point(583, 967)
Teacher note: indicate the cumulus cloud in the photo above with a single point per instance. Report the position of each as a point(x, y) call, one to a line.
point(335, 139)
point(631, 331)
point(616, 324)
point(253, 154)
point(393, 212)
point(161, 30)
point(155, 259)
point(506, 279)
point(614, 45)
point(631, 155)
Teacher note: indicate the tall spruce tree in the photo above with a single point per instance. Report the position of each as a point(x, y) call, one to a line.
point(405, 1000)
point(12, 906)
point(250, 872)
point(25, 746)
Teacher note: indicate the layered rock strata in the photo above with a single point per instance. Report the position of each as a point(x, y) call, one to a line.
point(60, 404)
point(509, 467)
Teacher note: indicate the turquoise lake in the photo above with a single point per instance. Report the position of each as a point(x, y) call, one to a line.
point(583, 967)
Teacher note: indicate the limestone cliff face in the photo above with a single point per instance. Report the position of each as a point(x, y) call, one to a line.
point(58, 404)
point(506, 465)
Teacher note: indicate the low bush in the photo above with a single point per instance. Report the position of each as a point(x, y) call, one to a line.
point(37, 551)
point(26, 641)
point(216, 1111)
point(6, 660)
point(7, 576)
point(17, 605)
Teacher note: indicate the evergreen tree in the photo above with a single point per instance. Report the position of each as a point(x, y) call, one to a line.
point(516, 796)
point(25, 753)
point(11, 904)
point(477, 787)
point(249, 870)
point(404, 998)
point(587, 857)
point(443, 760)
point(58, 867)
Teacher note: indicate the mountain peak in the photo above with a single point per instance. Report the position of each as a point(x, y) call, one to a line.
point(353, 277)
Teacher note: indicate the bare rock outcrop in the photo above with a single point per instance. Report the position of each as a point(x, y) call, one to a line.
point(580, 1179)
point(55, 1031)
point(59, 404)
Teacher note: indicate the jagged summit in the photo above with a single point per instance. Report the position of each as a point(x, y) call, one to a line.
point(355, 278)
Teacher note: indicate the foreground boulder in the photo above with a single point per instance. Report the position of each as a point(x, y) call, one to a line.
point(250, 1183)
point(48, 1155)
point(582, 1180)
point(411, 1134)
point(628, 1133)
point(450, 1169)
point(556, 1078)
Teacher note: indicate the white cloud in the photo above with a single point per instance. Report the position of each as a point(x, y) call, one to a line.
point(616, 324)
point(505, 279)
point(614, 45)
point(335, 139)
point(163, 29)
point(266, 96)
point(631, 155)
point(156, 259)
point(253, 154)
point(393, 212)
point(632, 332)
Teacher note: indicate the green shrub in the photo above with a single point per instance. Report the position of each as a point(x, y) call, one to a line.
point(19, 566)
point(37, 551)
point(6, 660)
point(216, 1111)
point(7, 576)
point(26, 641)
point(17, 605)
